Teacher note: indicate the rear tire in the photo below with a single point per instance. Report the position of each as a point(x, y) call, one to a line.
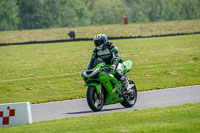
point(94, 101)
point(130, 100)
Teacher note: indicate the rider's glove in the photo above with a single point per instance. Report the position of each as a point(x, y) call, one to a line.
point(112, 68)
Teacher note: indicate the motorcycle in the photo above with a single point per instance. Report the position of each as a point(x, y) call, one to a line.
point(104, 88)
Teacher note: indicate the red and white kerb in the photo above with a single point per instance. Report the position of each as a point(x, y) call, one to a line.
point(5, 119)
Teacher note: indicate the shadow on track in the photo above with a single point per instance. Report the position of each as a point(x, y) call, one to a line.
point(104, 110)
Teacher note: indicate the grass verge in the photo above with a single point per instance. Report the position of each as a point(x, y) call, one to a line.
point(115, 30)
point(42, 73)
point(182, 118)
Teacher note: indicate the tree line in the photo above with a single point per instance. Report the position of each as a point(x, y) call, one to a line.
point(37, 14)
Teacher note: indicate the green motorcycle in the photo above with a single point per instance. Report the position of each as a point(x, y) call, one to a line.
point(104, 88)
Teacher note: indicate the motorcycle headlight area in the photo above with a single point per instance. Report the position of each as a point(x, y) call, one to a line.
point(95, 74)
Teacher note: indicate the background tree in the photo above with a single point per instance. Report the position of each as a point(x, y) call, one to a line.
point(9, 18)
point(36, 14)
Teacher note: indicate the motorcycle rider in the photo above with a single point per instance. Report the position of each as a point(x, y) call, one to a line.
point(108, 53)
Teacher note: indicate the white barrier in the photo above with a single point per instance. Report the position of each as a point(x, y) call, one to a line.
point(15, 114)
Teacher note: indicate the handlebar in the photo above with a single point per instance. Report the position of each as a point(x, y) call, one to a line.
point(104, 68)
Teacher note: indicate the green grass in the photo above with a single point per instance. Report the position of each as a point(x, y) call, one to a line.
point(51, 72)
point(181, 119)
point(132, 29)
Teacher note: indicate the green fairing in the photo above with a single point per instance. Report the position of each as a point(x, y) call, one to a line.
point(97, 86)
point(105, 80)
point(128, 65)
point(112, 96)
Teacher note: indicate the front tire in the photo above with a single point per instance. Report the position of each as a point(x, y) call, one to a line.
point(130, 99)
point(94, 100)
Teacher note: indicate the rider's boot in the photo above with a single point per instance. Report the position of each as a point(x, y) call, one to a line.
point(126, 87)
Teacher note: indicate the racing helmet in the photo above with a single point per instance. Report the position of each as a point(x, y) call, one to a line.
point(100, 40)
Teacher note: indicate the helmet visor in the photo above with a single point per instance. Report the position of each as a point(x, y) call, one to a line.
point(98, 42)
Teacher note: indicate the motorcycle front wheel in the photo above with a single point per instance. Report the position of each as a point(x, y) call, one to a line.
point(94, 100)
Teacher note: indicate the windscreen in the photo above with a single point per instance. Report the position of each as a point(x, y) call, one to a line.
point(96, 62)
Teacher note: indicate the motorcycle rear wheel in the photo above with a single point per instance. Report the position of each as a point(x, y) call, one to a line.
point(94, 100)
point(130, 100)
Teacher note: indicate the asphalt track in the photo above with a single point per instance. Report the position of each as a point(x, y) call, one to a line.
point(147, 99)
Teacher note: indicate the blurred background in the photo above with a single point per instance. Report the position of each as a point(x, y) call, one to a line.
point(37, 14)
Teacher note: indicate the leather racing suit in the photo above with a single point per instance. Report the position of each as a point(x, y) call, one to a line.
point(109, 54)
